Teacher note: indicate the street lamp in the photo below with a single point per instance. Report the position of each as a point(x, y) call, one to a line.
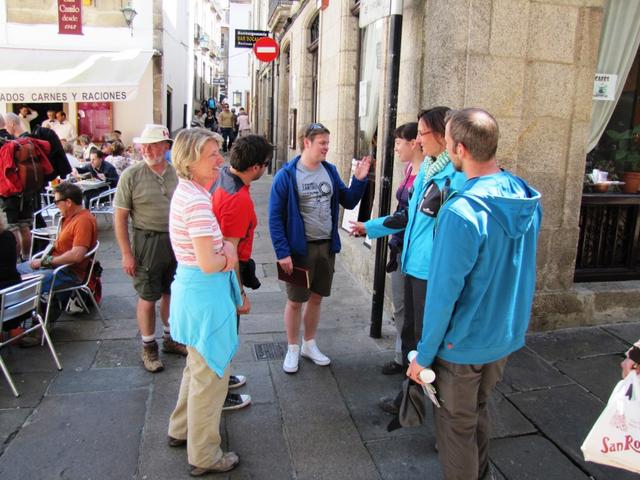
point(129, 13)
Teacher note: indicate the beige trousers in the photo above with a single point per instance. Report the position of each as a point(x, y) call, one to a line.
point(197, 413)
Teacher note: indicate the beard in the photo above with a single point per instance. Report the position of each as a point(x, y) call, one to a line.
point(152, 162)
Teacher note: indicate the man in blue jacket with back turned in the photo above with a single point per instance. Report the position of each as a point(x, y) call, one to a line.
point(483, 268)
point(303, 222)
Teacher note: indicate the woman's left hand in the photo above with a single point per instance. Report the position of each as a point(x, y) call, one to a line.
point(362, 168)
point(229, 251)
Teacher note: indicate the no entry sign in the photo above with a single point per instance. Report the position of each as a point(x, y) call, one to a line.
point(266, 49)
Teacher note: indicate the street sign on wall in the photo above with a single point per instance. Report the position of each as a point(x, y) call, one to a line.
point(248, 38)
point(266, 49)
point(218, 81)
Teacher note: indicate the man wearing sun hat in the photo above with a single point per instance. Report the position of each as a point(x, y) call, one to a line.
point(144, 194)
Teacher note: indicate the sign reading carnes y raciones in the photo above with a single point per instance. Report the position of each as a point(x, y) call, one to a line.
point(68, 94)
point(247, 38)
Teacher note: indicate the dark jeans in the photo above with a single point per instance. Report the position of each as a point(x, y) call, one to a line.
point(227, 135)
point(415, 293)
point(462, 422)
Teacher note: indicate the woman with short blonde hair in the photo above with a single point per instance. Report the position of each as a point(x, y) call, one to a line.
point(204, 298)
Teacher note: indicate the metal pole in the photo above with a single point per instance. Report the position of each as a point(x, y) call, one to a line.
point(384, 204)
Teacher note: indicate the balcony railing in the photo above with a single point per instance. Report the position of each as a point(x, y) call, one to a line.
point(609, 241)
point(274, 4)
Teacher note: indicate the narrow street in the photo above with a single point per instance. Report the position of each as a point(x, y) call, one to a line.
point(105, 417)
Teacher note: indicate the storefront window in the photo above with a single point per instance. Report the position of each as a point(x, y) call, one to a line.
point(618, 150)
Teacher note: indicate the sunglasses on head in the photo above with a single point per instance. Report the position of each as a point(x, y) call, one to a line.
point(314, 126)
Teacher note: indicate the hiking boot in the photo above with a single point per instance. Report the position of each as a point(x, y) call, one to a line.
point(388, 405)
point(235, 401)
point(310, 350)
point(169, 345)
point(290, 364)
point(236, 381)
point(151, 358)
point(229, 461)
point(391, 368)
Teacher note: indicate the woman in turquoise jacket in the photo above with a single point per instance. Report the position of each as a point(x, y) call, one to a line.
point(437, 177)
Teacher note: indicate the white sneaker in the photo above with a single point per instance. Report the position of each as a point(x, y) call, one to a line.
point(290, 364)
point(310, 350)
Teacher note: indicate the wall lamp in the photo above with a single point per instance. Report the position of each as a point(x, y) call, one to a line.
point(129, 13)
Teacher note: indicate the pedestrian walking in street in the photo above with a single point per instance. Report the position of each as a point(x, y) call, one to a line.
point(243, 123)
point(478, 306)
point(409, 153)
point(236, 215)
point(144, 194)
point(203, 308)
point(303, 221)
point(436, 178)
point(226, 121)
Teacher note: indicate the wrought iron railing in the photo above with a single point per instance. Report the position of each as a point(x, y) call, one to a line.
point(609, 241)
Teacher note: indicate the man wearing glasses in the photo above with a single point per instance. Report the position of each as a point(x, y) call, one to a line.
point(144, 193)
point(303, 222)
point(236, 215)
point(78, 234)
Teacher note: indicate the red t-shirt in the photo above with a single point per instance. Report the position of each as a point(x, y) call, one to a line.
point(233, 207)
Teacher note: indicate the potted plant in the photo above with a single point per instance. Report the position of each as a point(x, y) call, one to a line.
point(627, 157)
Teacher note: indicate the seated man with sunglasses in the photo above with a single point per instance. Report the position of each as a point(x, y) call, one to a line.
point(78, 235)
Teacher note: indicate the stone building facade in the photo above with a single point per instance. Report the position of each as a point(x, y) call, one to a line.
point(531, 63)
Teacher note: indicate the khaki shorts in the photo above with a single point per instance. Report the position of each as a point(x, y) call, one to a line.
point(155, 264)
point(320, 262)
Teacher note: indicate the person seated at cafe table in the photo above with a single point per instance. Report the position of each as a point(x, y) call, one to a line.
point(99, 169)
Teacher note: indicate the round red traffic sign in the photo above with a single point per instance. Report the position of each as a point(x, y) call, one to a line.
point(266, 49)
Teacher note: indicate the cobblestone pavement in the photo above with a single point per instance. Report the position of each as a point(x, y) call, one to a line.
point(104, 417)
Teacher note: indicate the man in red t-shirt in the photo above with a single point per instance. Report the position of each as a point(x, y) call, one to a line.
point(233, 207)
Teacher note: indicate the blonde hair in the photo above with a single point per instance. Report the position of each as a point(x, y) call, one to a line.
point(188, 146)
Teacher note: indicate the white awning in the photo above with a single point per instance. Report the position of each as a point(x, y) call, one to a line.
point(52, 76)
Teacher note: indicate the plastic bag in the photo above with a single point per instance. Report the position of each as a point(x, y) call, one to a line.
point(615, 437)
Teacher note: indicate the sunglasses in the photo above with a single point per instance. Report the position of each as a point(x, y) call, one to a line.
point(313, 127)
point(60, 200)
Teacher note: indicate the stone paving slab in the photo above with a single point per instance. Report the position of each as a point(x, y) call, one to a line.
point(78, 330)
point(532, 457)
point(406, 458)
point(574, 343)
point(31, 387)
point(10, 422)
point(598, 375)
point(69, 439)
point(567, 415)
point(629, 332)
point(72, 356)
point(99, 380)
point(506, 420)
point(527, 371)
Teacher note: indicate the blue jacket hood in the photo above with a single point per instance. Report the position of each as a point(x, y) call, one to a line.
point(497, 197)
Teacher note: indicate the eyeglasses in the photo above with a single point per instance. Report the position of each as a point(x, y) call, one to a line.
point(59, 200)
point(426, 132)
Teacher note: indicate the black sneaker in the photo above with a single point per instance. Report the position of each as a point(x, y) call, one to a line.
point(235, 401)
point(388, 404)
point(392, 368)
point(236, 381)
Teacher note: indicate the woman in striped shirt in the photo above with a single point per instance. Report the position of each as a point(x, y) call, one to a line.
point(204, 297)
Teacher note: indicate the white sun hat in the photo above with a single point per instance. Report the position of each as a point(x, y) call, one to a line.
point(153, 133)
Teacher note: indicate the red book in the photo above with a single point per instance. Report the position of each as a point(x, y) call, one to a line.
point(299, 276)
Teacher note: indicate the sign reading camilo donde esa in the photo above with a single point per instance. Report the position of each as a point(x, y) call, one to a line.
point(247, 38)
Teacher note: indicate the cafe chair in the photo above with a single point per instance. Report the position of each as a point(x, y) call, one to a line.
point(23, 300)
point(77, 289)
point(103, 204)
point(49, 233)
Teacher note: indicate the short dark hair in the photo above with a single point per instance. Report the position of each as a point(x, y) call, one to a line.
point(310, 131)
point(435, 119)
point(98, 153)
point(250, 150)
point(477, 130)
point(61, 112)
point(70, 191)
point(407, 131)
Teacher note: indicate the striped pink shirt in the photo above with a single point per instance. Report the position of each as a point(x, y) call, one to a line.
point(191, 217)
